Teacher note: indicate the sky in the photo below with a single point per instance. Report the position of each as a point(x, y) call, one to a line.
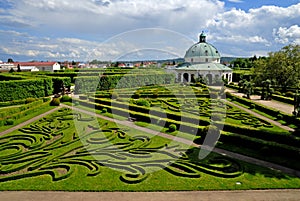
point(83, 30)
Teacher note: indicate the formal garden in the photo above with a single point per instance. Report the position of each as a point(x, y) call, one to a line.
point(72, 150)
point(50, 154)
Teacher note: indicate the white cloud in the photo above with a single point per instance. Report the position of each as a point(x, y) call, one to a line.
point(236, 1)
point(253, 30)
point(110, 17)
point(286, 35)
point(76, 29)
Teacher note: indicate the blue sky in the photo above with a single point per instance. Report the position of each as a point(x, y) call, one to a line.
point(110, 29)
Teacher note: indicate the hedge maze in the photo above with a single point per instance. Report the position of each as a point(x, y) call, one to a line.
point(51, 147)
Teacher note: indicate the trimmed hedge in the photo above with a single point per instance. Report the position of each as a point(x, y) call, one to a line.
point(15, 113)
point(95, 83)
point(283, 99)
point(182, 125)
point(22, 89)
point(253, 143)
point(262, 108)
point(58, 82)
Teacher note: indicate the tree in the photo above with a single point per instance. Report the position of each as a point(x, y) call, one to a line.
point(282, 67)
point(19, 68)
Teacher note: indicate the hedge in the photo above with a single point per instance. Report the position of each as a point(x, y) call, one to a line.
point(58, 82)
point(283, 99)
point(181, 125)
point(9, 77)
point(22, 89)
point(95, 83)
point(154, 111)
point(270, 136)
point(253, 143)
point(262, 108)
point(15, 113)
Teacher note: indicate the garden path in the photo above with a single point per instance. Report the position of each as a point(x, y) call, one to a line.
point(188, 142)
point(255, 195)
point(262, 117)
point(283, 107)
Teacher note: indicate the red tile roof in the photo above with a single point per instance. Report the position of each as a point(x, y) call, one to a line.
point(35, 63)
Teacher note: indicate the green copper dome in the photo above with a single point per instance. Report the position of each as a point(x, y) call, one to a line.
point(202, 52)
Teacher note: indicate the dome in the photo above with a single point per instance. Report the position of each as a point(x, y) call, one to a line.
point(202, 52)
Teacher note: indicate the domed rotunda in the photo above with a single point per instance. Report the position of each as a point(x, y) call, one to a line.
point(202, 60)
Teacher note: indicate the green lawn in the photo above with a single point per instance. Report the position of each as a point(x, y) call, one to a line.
point(46, 107)
point(74, 152)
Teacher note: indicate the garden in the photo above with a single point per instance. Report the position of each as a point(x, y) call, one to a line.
point(50, 154)
point(191, 112)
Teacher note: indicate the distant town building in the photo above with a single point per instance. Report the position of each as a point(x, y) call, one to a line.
point(37, 66)
point(202, 61)
point(7, 66)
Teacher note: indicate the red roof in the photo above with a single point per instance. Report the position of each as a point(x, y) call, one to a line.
point(35, 63)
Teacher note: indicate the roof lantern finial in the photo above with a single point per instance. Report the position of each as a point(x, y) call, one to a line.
point(202, 37)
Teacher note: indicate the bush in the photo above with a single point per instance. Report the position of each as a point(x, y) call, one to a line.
point(46, 99)
point(172, 127)
point(30, 100)
point(277, 93)
point(114, 95)
point(9, 122)
point(66, 98)
point(143, 102)
point(136, 95)
point(213, 95)
point(279, 116)
point(55, 102)
point(252, 106)
point(104, 110)
point(289, 94)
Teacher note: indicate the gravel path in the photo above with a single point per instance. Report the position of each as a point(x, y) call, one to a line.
point(283, 107)
point(250, 195)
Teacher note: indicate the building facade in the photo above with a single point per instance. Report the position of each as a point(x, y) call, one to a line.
point(202, 61)
point(38, 66)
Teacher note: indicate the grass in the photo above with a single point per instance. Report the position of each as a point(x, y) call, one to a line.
point(67, 150)
point(42, 110)
point(266, 115)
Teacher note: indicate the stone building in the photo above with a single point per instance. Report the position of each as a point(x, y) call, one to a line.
point(202, 60)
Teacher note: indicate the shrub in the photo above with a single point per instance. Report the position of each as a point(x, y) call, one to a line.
point(104, 110)
point(9, 122)
point(65, 98)
point(172, 127)
point(46, 99)
point(214, 95)
point(277, 93)
point(114, 95)
point(55, 102)
point(252, 106)
point(143, 102)
point(279, 117)
point(30, 100)
point(289, 94)
point(136, 95)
